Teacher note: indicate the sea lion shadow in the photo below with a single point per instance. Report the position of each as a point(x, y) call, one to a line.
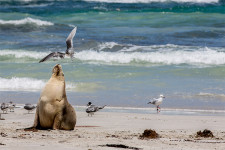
point(33, 129)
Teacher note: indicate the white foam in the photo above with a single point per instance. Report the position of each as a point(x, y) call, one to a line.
point(26, 84)
point(27, 20)
point(156, 54)
point(23, 53)
point(107, 45)
point(213, 95)
point(203, 56)
point(150, 1)
point(21, 84)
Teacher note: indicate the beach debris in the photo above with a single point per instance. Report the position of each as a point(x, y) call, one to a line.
point(120, 146)
point(4, 108)
point(87, 126)
point(3, 134)
point(91, 109)
point(206, 134)
point(149, 134)
point(2, 144)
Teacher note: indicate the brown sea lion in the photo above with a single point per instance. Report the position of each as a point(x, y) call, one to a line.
point(53, 110)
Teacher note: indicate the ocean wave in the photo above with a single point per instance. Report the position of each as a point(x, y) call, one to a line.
point(21, 84)
point(26, 84)
point(150, 1)
point(105, 53)
point(157, 55)
point(24, 21)
point(211, 95)
point(23, 54)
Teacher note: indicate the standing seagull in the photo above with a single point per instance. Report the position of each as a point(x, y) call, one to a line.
point(91, 109)
point(29, 107)
point(4, 107)
point(157, 102)
point(69, 50)
point(11, 106)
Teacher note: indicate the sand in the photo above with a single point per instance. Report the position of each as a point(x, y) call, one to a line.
point(92, 133)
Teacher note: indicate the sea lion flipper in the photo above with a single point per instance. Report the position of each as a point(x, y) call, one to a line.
point(57, 121)
point(36, 120)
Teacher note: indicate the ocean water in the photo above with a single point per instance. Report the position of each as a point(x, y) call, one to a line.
point(127, 51)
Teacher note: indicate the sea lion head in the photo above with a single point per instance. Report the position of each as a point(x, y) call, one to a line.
point(57, 71)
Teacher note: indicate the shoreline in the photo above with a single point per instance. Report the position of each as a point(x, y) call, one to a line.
point(152, 110)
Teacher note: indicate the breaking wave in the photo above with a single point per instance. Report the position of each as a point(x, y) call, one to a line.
point(150, 1)
point(25, 21)
point(25, 84)
point(113, 53)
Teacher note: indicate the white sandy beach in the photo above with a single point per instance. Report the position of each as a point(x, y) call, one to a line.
point(176, 132)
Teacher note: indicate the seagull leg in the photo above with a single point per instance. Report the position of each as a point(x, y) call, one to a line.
point(158, 109)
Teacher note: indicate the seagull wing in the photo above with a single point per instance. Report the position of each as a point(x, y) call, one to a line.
point(53, 54)
point(29, 107)
point(90, 109)
point(47, 57)
point(153, 102)
point(101, 107)
point(69, 40)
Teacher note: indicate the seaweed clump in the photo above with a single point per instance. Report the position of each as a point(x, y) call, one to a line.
point(149, 134)
point(206, 133)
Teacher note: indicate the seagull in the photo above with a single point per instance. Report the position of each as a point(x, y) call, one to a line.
point(157, 102)
point(11, 106)
point(4, 107)
point(69, 50)
point(29, 107)
point(91, 109)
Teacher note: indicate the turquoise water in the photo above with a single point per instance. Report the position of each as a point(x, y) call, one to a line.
point(127, 52)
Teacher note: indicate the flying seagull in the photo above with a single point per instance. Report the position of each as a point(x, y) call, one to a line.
point(157, 102)
point(91, 109)
point(69, 50)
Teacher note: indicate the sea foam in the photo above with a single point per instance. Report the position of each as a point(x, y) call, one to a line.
point(21, 84)
point(23, 53)
point(26, 84)
point(27, 20)
point(150, 1)
point(160, 55)
point(105, 53)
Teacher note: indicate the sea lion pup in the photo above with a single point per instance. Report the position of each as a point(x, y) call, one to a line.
point(53, 110)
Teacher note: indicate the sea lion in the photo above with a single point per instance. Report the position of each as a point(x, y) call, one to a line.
point(53, 110)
